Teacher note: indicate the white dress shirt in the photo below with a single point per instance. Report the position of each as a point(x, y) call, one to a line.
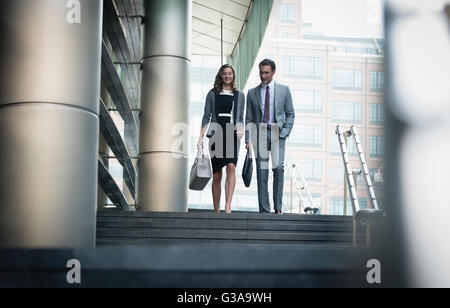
point(272, 101)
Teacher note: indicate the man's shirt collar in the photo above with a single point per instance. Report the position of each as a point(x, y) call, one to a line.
point(271, 85)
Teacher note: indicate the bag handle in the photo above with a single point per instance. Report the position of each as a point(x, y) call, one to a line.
point(200, 153)
point(249, 153)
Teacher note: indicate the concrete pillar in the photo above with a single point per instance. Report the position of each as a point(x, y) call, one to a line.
point(162, 178)
point(49, 106)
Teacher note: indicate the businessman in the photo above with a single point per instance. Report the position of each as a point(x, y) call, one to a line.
point(270, 119)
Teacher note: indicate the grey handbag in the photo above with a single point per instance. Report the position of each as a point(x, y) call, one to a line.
point(201, 172)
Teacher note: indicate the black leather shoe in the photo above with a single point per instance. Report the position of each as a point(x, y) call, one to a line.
point(278, 212)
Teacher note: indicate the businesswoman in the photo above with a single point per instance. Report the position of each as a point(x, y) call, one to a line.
point(223, 123)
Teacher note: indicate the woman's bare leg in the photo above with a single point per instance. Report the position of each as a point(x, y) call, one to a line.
point(230, 186)
point(217, 190)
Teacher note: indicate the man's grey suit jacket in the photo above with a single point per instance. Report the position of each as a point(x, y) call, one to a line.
point(284, 110)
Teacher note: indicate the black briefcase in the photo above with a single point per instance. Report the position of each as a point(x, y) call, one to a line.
point(247, 171)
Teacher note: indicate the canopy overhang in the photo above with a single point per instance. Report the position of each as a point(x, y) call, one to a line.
point(233, 29)
point(214, 21)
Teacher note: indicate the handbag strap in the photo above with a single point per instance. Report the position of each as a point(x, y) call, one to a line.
point(201, 153)
point(235, 107)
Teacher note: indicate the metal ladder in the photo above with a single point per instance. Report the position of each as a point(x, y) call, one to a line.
point(302, 189)
point(365, 169)
point(366, 217)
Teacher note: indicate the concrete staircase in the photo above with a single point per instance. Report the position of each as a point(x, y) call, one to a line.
point(206, 250)
point(117, 228)
point(179, 266)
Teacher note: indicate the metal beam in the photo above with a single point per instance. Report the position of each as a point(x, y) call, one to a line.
point(114, 139)
point(118, 94)
point(110, 187)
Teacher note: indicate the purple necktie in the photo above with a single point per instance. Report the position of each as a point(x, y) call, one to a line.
point(267, 106)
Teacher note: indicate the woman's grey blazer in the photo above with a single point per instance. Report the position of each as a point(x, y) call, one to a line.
point(210, 115)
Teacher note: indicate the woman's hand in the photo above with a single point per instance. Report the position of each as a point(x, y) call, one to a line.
point(200, 144)
point(249, 146)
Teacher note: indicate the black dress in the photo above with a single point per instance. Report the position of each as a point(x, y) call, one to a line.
point(227, 153)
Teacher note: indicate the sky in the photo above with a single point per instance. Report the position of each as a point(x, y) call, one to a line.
point(345, 18)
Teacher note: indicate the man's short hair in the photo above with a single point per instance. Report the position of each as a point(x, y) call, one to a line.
point(268, 62)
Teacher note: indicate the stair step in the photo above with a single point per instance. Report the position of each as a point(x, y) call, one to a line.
point(237, 216)
point(196, 266)
point(223, 225)
point(222, 234)
point(114, 242)
point(240, 229)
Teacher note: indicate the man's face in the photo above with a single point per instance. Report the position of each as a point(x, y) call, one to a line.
point(266, 74)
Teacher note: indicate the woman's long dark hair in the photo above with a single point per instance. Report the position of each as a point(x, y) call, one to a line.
point(218, 84)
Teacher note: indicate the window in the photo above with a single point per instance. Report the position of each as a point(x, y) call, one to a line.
point(204, 75)
point(308, 101)
point(376, 81)
point(307, 136)
point(376, 114)
point(317, 201)
point(350, 80)
point(198, 96)
point(196, 92)
point(288, 35)
point(376, 146)
point(271, 57)
point(312, 169)
point(337, 175)
point(116, 171)
point(120, 123)
point(302, 67)
point(346, 112)
point(363, 203)
point(358, 50)
point(337, 205)
point(287, 12)
point(377, 175)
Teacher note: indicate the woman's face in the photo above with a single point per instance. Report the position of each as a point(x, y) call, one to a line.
point(227, 76)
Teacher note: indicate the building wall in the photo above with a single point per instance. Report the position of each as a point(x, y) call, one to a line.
point(326, 61)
